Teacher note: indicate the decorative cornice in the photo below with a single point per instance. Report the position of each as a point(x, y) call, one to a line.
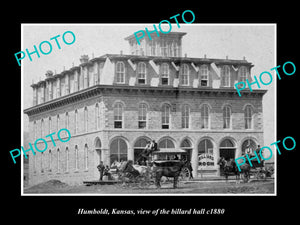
point(107, 89)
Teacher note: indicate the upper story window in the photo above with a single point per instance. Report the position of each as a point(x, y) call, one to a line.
point(120, 73)
point(152, 48)
point(242, 74)
point(75, 121)
point(248, 117)
point(184, 74)
point(142, 117)
point(175, 49)
point(185, 116)
point(166, 111)
point(225, 76)
point(164, 74)
point(118, 115)
point(204, 76)
point(67, 121)
point(141, 70)
point(164, 48)
point(85, 119)
point(226, 117)
point(204, 110)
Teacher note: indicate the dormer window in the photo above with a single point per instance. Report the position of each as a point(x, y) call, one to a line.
point(141, 70)
point(184, 75)
point(204, 76)
point(120, 73)
point(225, 76)
point(164, 74)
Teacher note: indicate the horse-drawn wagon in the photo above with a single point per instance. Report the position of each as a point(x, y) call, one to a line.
point(256, 170)
point(144, 175)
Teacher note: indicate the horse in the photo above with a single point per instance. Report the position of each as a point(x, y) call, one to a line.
point(135, 173)
point(230, 167)
point(170, 168)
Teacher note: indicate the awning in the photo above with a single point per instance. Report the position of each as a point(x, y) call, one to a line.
point(169, 150)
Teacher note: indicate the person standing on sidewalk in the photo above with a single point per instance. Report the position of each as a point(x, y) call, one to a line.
point(101, 168)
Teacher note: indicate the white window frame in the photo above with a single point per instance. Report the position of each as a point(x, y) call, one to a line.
point(120, 72)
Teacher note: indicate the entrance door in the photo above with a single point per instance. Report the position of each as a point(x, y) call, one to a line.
point(228, 153)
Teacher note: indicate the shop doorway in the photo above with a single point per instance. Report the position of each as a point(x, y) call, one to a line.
point(227, 149)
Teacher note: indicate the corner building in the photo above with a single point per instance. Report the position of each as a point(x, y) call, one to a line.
point(115, 103)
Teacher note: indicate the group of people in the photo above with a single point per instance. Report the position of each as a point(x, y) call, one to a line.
point(104, 171)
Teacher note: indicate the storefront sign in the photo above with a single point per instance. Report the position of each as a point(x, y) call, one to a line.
point(206, 161)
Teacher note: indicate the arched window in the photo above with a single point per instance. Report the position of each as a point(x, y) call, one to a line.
point(35, 130)
point(227, 149)
point(42, 162)
point(225, 76)
point(67, 121)
point(58, 161)
point(142, 117)
point(42, 127)
point(205, 146)
point(185, 116)
point(76, 158)
point(118, 150)
point(76, 122)
point(166, 110)
point(227, 143)
point(98, 149)
point(118, 115)
point(248, 117)
point(204, 75)
point(152, 48)
point(50, 161)
point(164, 48)
point(50, 125)
point(166, 143)
point(204, 110)
point(86, 157)
point(184, 74)
point(248, 146)
point(226, 117)
point(97, 117)
point(164, 74)
point(85, 119)
point(242, 74)
point(67, 159)
point(57, 123)
point(141, 72)
point(120, 73)
point(166, 149)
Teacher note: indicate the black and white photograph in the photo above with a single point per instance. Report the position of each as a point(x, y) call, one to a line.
point(149, 112)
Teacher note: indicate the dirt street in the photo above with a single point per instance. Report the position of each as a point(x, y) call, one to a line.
point(196, 187)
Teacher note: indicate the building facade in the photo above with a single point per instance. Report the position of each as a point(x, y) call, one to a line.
point(115, 103)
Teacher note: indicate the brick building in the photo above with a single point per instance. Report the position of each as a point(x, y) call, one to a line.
point(115, 103)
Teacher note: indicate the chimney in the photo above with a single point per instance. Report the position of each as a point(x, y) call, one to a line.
point(84, 59)
point(204, 56)
point(185, 55)
point(226, 56)
point(121, 52)
point(244, 58)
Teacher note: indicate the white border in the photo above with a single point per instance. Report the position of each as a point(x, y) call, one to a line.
point(146, 194)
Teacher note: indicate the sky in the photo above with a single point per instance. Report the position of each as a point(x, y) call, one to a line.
point(255, 42)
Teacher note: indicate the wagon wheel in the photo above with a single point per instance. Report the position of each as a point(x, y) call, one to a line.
point(185, 174)
point(260, 175)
